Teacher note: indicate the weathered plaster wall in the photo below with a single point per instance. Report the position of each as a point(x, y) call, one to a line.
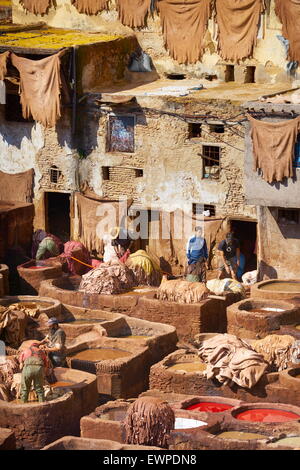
point(278, 247)
point(269, 55)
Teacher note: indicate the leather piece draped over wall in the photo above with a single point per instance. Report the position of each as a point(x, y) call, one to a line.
point(90, 213)
point(38, 7)
point(3, 64)
point(17, 187)
point(238, 22)
point(40, 84)
point(288, 11)
point(90, 7)
point(184, 24)
point(273, 147)
point(133, 13)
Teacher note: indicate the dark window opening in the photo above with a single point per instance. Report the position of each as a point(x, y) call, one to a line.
point(194, 130)
point(250, 74)
point(105, 173)
point(245, 232)
point(139, 173)
point(13, 108)
point(229, 73)
point(217, 128)
point(55, 174)
point(201, 209)
point(121, 134)
point(211, 162)
point(176, 76)
point(296, 161)
point(209, 77)
point(58, 215)
point(211, 209)
point(288, 216)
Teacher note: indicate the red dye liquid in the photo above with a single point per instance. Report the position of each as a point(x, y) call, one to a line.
point(36, 267)
point(210, 406)
point(264, 415)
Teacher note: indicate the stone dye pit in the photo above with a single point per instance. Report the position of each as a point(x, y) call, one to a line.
point(79, 443)
point(257, 318)
point(34, 272)
point(49, 306)
point(276, 289)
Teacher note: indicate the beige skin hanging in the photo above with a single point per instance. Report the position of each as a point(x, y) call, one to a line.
point(90, 7)
point(133, 13)
point(288, 11)
point(37, 7)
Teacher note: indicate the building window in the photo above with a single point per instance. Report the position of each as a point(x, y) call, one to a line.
point(229, 73)
point(55, 174)
point(288, 216)
point(250, 74)
point(121, 134)
point(105, 173)
point(139, 173)
point(211, 162)
point(296, 161)
point(194, 130)
point(217, 128)
point(13, 108)
point(202, 209)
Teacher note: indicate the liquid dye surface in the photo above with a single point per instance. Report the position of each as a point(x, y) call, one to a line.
point(288, 442)
point(135, 337)
point(95, 355)
point(62, 384)
point(114, 414)
point(188, 423)
point(282, 286)
point(189, 366)
point(37, 267)
point(266, 310)
point(265, 415)
point(241, 435)
point(210, 407)
point(81, 321)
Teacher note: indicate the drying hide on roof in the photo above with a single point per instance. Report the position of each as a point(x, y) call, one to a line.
point(38, 7)
point(273, 147)
point(17, 187)
point(90, 7)
point(184, 24)
point(230, 359)
point(288, 11)
point(133, 13)
point(3, 62)
point(148, 422)
point(238, 22)
point(40, 87)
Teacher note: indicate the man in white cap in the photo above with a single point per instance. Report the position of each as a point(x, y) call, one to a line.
point(55, 343)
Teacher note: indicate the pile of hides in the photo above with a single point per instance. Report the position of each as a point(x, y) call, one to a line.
point(231, 360)
point(12, 326)
point(148, 422)
point(90, 7)
point(108, 278)
point(146, 271)
point(183, 292)
point(274, 146)
point(40, 87)
point(76, 250)
point(184, 24)
point(29, 308)
point(133, 13)
point(278, 350)
point(219, 286)
point(288, 11)
point(17, 187)
point(37, 7)
point(238, 23)
point(7, 372)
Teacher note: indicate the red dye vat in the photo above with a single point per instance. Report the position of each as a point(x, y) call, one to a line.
point(210, 406)
point(36, 267)
point(265, 415)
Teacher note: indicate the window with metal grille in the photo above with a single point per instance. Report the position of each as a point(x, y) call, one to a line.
point(288, 216)
point(54, 174)
point(194, 130)
point(211, 161)
point(199, 209)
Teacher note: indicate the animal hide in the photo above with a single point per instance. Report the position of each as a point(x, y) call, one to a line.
point(17, 187)
point(276, 349)
point(133, 13)
point(146, 271)
point(13, 324)
point(183, 292)
point(238, 22)
point(148, 422)
point(273, 147)
point(108, 278)
point(184, 23)
point(90, 7)
point(40, 87)
point(3, 62)
point(288, 11)
point(37, 7)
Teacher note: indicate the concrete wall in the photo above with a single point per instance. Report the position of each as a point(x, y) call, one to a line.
point(269, 55)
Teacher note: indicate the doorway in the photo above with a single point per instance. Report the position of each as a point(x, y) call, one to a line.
point(57, 207)
point(246, 233)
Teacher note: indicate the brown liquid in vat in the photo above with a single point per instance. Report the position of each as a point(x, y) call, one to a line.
point(135, 337)
point(244, 436)
point(62, 384)
point(297, 376)
point(282, 286)
point(189, 366)
point(95, 355)
point(263, 310)
point(114, 414)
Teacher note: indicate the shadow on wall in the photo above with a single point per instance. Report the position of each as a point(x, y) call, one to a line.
point(265, 271)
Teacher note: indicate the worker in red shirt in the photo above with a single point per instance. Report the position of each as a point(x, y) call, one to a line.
point(33, 363)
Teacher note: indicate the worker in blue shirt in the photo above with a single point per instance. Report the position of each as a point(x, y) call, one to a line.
point(197, 255)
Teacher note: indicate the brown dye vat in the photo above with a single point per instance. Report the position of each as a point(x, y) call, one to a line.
point(282, 286)
point(83, 321)
point(189, 366)
point(240, 435)
point(114, 414)
point(134, 337)
point(265, 310)
point(62, 384)
point(100, 354)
